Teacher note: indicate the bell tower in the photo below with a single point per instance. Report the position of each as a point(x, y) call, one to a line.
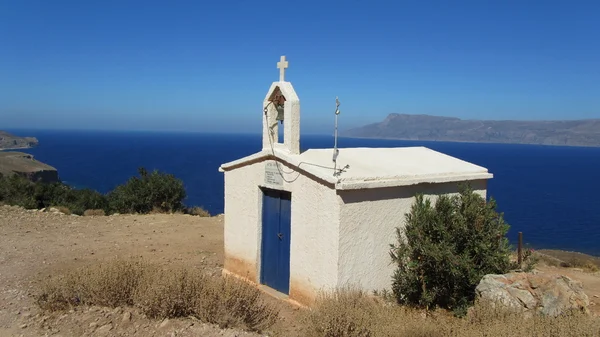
point(281, 108)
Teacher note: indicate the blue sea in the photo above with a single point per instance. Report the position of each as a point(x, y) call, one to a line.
point(549, 193)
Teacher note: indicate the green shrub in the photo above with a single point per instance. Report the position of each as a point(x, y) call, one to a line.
point(17, 190)
point(53, 194)
point(88, 199)
point(149, 192)
point(20, 191)
point(445, 249)
point(158, 192)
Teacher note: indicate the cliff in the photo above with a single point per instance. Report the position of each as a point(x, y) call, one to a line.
point(426, 127)
point(25, 165)
point(9, 141)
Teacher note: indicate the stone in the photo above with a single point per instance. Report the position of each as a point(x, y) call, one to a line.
point(126, 317)
point(104, 330)
point(164, 323)
point(546, 294)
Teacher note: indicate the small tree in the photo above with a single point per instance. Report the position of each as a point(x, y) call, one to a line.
point(445, 250)
point(151, 191)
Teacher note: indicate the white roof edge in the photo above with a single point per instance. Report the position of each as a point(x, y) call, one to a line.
point(362, 184)
point(259, 156)
point(255, 156)
point(340, 184)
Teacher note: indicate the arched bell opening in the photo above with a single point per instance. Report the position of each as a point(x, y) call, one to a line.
point(278, 101)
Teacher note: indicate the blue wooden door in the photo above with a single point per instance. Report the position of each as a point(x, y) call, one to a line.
point(275, 246)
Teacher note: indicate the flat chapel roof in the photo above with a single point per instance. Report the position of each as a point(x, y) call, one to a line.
point(374, 167)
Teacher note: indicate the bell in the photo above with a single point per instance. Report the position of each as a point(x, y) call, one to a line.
point(279, 108)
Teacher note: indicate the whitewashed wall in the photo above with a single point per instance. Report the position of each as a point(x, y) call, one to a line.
point(315, 210)
point(367, 227)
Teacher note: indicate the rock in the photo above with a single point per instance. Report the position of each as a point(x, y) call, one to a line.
point(53, 210)
point(547, 294)
point(126, 317)
point(104, 330)
point(164, 323)
point(23, 326)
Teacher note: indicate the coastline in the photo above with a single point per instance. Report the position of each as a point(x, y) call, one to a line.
point(15, 148)
point(469, 142)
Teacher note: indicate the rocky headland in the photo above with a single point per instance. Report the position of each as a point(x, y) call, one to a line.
point(21, 163)
point(11, 142)
point(25, 165)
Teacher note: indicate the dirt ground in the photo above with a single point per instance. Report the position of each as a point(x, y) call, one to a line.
point(35, 245)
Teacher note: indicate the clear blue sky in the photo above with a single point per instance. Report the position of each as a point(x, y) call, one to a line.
point(206, 65)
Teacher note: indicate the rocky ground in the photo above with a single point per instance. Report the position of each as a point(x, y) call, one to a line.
point(35, 245)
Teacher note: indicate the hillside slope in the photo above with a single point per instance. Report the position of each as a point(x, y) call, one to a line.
point(426, 127)
point(9, 141)
point(24, 164)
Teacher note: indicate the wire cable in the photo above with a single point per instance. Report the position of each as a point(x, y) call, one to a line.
point(271, 140)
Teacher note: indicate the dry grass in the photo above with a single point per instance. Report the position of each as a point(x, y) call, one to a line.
point(107, 284)
point(63, 210)
point(94, 212)
point(569, 259)
point(198, 211)
point(349, 313)
point(161, 293)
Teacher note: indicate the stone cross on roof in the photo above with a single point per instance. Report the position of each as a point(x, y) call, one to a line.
point(282, 65)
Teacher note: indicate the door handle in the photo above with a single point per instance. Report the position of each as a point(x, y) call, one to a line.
point(280, 236)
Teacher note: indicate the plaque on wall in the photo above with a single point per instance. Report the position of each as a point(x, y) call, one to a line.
point(272, 174)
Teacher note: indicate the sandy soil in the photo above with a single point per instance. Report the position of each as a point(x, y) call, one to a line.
point(35, 245)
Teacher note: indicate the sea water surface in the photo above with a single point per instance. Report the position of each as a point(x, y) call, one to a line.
point(549, 193)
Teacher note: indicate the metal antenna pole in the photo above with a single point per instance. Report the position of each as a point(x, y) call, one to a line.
point(335, 136)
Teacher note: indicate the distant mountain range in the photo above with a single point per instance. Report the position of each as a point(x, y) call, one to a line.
point(425, 127)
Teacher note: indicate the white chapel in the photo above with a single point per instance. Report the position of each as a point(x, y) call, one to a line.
point(297, 222)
